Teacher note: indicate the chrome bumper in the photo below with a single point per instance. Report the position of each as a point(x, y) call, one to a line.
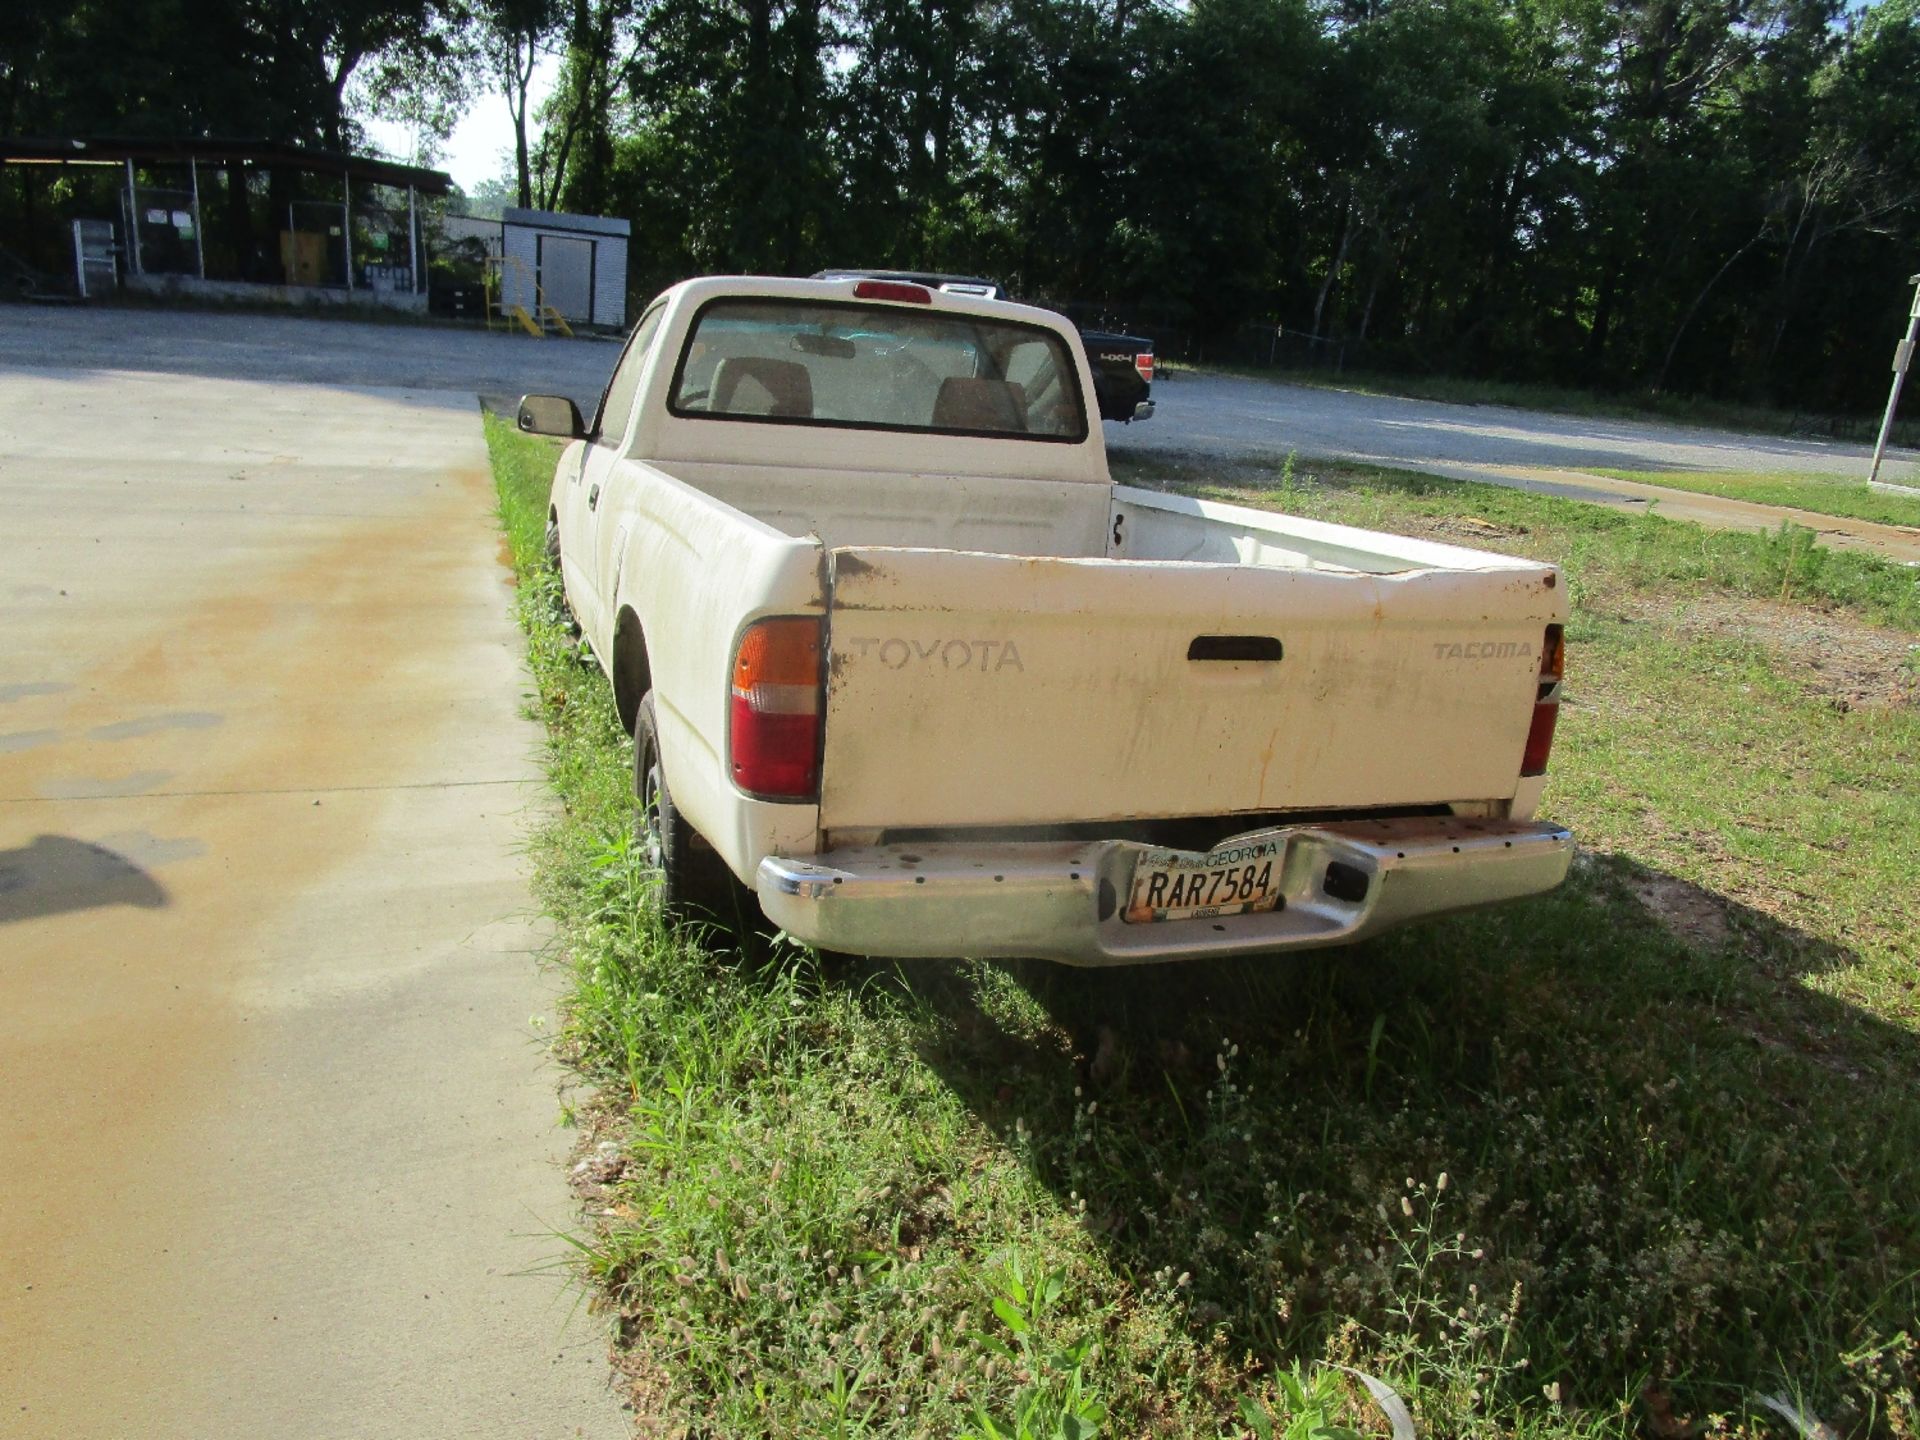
point(1064, 900)
point(1143, 411)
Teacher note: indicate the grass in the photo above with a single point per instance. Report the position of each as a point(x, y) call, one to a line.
point(1569, 400)
point(1842, 495)
point(1559, 1169)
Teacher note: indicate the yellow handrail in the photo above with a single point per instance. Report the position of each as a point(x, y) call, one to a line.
point(543, 313)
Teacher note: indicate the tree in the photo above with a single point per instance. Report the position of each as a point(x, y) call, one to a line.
point(515, 35)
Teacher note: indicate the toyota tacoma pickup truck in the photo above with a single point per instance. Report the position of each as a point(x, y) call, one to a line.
point(907, 672)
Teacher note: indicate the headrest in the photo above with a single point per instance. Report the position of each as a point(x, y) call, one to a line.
point(968, 404)
point(759, 385)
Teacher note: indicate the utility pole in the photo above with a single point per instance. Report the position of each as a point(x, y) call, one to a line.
point(133, 220)
point(1902, 358)
point(199, 238)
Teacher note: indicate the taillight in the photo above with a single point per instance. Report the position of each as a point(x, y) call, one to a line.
point(774, 737)
point(1143, 362)
point(1546, 705)
point(893, 290)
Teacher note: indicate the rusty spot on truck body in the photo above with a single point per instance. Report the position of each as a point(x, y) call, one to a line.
point(850, 566)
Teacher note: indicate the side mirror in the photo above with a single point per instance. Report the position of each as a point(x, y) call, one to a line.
point(551, 415)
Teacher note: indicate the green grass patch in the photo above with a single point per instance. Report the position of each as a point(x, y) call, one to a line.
point(1566, 1168)
point(1842, 495)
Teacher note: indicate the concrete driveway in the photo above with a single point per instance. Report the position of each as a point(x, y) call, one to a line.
point(279, 1137)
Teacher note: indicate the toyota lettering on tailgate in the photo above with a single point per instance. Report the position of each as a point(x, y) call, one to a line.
point(896, 652)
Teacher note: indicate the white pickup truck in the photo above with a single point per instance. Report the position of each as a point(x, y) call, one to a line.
point(901, 660)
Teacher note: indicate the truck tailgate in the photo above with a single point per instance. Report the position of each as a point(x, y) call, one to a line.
point(969, 689)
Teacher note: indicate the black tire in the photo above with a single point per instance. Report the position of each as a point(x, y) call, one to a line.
point(697, 890)
point(562, 607)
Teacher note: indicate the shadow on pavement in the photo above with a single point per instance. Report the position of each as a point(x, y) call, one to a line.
point(58, 873)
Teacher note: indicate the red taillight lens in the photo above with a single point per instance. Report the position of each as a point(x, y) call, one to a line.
point(1546, 705)
point(893, 290)
point(1540, 739)
point(1143, 362)
point(774, 737)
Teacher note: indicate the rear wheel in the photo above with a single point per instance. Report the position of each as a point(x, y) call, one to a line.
point(696, 887)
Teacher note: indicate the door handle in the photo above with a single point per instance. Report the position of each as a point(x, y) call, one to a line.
point(1234, 647)
point(593, 496)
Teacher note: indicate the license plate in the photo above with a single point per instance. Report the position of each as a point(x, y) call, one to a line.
point(1179, 885)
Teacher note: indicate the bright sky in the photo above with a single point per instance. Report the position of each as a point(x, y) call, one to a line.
point(481, 147)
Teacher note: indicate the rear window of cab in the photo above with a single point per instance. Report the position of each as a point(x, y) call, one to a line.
point(877, 367)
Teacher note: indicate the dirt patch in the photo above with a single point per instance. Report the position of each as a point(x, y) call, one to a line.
point(1684, 909)
point(597, 1175)
point(1467, 530)
point(1831, 654)
point(1470, 528)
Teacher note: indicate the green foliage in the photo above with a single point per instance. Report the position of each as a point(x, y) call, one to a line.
point(1056, 1402)
point(1676, 196)
point(1307, 1407)
point(194, 68)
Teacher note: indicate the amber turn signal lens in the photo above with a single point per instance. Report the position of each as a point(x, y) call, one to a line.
point(1553, 652)
point(778, 652)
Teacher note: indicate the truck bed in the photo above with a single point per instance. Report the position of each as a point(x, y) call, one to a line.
point(1059, 519)
point(1007, 653)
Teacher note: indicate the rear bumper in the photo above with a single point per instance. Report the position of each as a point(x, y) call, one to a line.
point(1063, 901)
point(1143, 411)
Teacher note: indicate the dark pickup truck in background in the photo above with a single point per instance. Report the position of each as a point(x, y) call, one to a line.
point(1122, 365)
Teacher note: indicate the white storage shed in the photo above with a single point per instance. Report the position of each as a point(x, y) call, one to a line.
point(578, 261)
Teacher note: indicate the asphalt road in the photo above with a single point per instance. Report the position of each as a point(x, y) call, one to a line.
point(1203, 414)
point(1231, 417)
point(349, 354)
point(1228, 415)
point(279, 1139)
